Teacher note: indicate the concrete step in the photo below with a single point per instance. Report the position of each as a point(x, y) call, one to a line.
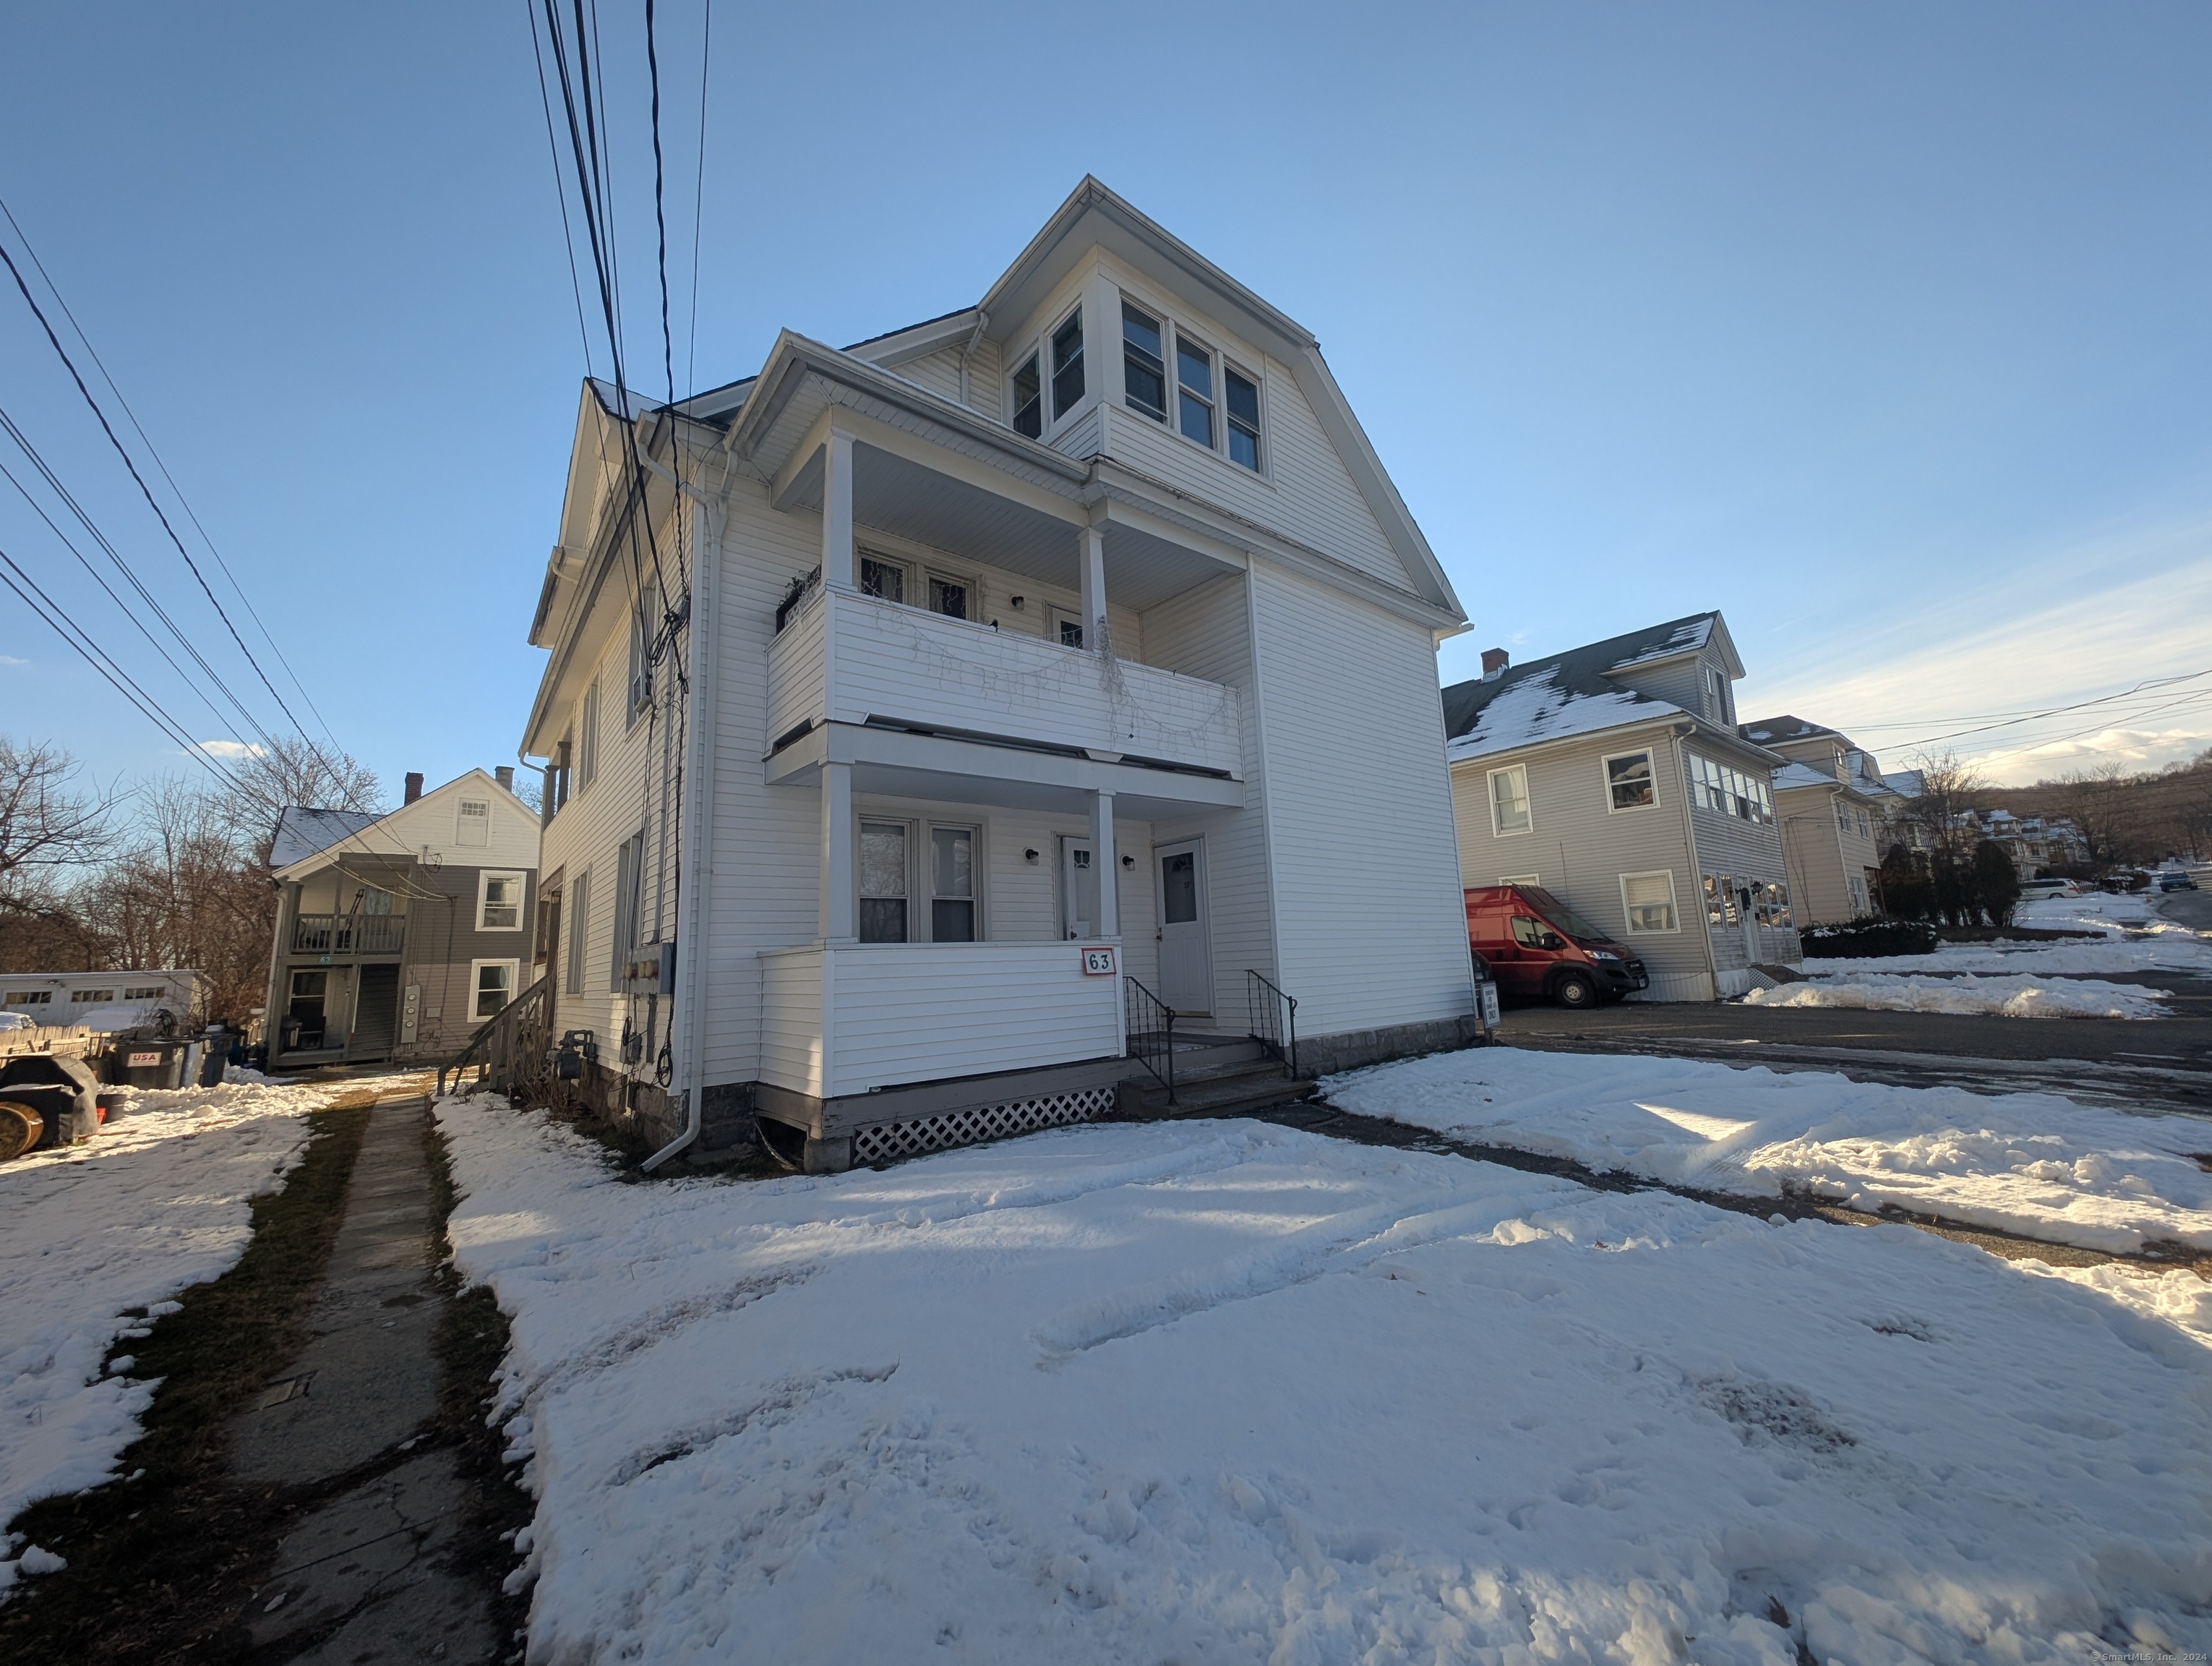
point(1222, 1090)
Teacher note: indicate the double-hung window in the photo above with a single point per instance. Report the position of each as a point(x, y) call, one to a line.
point(1629, 784)
point(1647, 900)
point(884, 885)
point(951, 884)
point(1028, 400)
point(886, 579)
point(1067, 365)
point(1509, 800)
point(629, 891)
point(1241, 395)
point(499, 901)
point(1144, 371)
point(580, 929)
point(955, 598)
point(588, 739)
point(1193, 391)
point(492, 986)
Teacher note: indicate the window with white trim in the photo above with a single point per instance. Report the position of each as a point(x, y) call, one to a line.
point(883, 577)
point(492, 986)
point(588, 739)
point(1509, 800)
point(1630, 783)
point(1194, 389)
point(1719, 706)
point(884, 882)
point(580, 928)
point(1520, 880)
point(1241, 393)
point(1144, 365)
point(644, 628)
point(629, 881)
point(499, 901)
point(952, 885)
point(1026, 390)
point(1648, 900)
point(1067, 365)
point(473, 823)
point(1715, 786)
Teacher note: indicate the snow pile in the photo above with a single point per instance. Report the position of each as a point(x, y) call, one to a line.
point(2034, 1163)
point(1223, 1391)
point(2016, 997)
point(2179, 1298)
point(159, 1199)
point(2134, 941)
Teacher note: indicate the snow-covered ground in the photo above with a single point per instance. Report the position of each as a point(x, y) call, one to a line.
point(2135, 939)
point(2029, 1163)
point(1225, 1391)
point(2019, 996)
point(159, 1200)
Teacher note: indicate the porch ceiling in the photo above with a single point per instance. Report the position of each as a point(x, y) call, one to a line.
point(908, 499)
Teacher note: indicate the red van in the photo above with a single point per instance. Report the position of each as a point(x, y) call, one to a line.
point(1539, 949)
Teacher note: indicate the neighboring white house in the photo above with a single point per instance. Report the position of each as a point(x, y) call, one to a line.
point(918, 711)
point(60, 999)
point(1614, 776)
point(398, 935)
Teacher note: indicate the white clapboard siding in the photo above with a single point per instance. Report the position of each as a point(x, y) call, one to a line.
point(888, 661)
point(1206, 632)
point(1370, 922)
point(850, 1017)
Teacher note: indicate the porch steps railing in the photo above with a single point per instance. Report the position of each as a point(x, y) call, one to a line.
point(1151, 1025)
point(512, 1053)
point(1274, 1020)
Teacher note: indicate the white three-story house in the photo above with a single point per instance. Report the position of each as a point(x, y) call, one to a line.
point(923, 716)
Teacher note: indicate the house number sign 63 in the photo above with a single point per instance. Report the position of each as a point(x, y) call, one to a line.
point(1098, 963)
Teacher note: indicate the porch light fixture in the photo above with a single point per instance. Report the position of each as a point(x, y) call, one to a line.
point(1018, 600)
point(1128, 861)
point(1028, 855)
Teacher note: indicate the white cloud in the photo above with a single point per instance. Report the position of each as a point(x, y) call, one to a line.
point(230, 750)
point(2088, 624)
point(10, 659)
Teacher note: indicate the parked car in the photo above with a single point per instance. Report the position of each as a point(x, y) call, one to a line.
point(1539, 949)
point(2174, 880)
point(2033, 890)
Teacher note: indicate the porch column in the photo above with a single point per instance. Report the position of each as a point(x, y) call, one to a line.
point(1107, 865)
point(840, 563)
point(835, 912)
point(1090, 556)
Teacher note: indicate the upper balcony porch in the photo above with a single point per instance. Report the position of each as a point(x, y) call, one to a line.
point(972, 621)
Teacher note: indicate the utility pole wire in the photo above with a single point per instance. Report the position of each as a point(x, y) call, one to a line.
point(154, 452)
point(106, 427)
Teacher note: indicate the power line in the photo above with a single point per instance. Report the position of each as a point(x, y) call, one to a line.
point(560, 186)
point(660, 209)
point(2056, 711)
point(698, 200)
point(154, 452)
point(108, 428)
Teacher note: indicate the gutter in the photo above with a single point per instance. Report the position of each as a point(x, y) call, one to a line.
point(968, 352)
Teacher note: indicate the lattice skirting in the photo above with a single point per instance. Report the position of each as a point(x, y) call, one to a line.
point(968, 1127)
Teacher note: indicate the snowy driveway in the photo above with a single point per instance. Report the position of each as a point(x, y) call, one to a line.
point(1224, 1391)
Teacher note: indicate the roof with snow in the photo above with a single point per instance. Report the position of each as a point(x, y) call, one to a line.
point(1780, 731)
point(1572, 693)
point(300, 832)
point(1802, 775)
point(1906, 783)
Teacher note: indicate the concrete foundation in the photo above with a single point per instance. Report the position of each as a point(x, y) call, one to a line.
point(1349, 1049)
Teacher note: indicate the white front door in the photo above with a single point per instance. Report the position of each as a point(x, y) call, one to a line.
point(1746, 901)
point(1078, 889)
point(1185, 954)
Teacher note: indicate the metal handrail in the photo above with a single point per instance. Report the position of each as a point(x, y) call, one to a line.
point(1274, 1019)
point(1151, 1025)
point(502, 1050)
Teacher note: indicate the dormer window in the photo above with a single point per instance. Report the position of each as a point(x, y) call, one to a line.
point(1029, 400)
point(1067, 365)
point(1144, 372)
point(1717, 694)
point(1193, 391)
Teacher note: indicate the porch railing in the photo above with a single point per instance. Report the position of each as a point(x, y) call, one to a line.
point(1274, 1020)
point(348, 934)
point(1151, 1025)
point(512, 1053)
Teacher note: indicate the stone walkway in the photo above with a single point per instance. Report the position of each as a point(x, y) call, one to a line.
point(363, 1578)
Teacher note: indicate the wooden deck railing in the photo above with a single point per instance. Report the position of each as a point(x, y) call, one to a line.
point(348, 934)
point(512, 1053)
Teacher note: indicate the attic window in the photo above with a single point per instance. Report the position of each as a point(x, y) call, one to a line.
point(1067, 365)
point(1143, 372)
point(1028, 400)
point(473, 823)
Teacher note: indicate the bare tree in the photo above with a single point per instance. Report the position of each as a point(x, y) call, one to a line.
point(1946, 812)
point(2098, 803)
point(46, 820)
point(295, 771)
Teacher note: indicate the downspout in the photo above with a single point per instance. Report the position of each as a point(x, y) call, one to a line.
point(975, 340)
point(696, 838)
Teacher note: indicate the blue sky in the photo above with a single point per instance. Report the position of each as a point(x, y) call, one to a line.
point(1880, 327)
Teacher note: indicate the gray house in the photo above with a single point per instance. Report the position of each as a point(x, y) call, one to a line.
point(1613, 774)
point(398, 935)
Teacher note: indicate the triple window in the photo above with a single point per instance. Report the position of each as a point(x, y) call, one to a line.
point(893, 885)
point(1730, 791)
point(1197, 393)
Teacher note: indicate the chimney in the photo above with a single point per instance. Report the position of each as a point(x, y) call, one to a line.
point(414, 784)
point(505, 776)
point(1494, 661)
